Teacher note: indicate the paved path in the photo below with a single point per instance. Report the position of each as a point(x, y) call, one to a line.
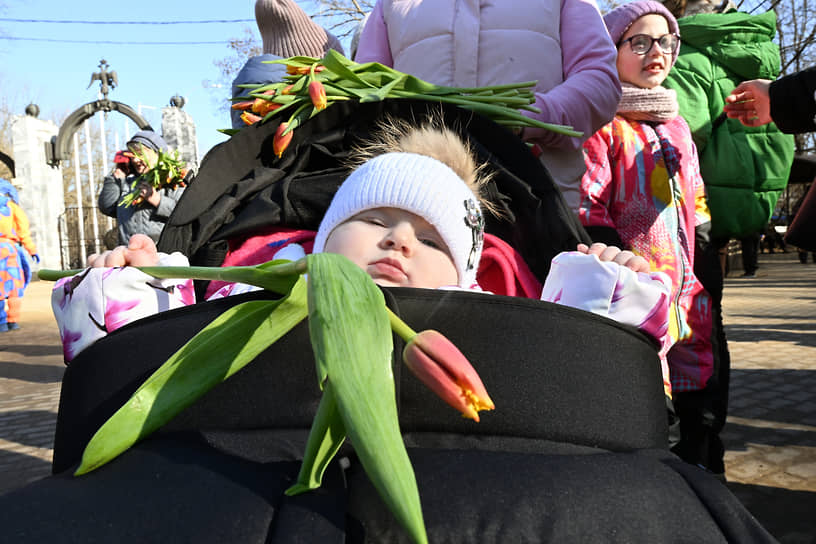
point(770, 435)
point(31, 371)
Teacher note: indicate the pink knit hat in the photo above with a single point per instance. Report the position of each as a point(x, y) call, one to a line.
point(620, 19)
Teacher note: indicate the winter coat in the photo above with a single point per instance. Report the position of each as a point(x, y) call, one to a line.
point(642, 180)
point(142, 218)
point(793, 102)
point(256, 70)
point(561, 44)
point(15, 241)
point(745, 169)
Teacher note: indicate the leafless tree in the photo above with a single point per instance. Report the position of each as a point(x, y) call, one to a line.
point(341, 17)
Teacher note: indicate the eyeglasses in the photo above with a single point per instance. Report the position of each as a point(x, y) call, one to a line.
point(642, 43)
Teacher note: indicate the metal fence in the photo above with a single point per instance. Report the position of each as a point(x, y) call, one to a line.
point(78, 238)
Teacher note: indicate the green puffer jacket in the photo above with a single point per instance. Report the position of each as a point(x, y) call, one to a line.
point(744, 169)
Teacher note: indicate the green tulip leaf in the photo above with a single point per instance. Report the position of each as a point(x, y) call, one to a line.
point(337, 63)
point(300, 62)
point(325, 438)
point(352, 344)
point(223, 347)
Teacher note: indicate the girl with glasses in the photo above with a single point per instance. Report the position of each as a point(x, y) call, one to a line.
point(643, 190)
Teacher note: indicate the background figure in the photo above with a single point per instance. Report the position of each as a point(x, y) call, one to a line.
point(17, 251)
point(806, 233)
point(562, 44)
point(773, 239)
point(790, 102)
point(750, 254)
point(150, 215)
point(286, 31)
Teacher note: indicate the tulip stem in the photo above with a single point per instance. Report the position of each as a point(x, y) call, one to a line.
point(400, 327)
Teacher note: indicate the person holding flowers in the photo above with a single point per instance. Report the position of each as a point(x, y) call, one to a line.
point(561, 44)
point(142, 193)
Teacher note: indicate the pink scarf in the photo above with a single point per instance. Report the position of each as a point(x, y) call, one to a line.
point(638, 104)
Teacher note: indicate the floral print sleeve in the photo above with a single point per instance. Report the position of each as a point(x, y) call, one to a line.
point(98, 301)
point(597, 184)
point(635, 298)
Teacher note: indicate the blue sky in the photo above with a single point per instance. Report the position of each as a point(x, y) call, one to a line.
point(55, 74)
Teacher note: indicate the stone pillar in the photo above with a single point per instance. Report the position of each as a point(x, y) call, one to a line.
point(179, 131)
point(39, 185)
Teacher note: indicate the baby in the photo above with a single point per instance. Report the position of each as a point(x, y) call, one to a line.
point(410, 214)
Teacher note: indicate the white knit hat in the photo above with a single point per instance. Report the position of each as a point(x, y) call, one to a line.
point(420, 185)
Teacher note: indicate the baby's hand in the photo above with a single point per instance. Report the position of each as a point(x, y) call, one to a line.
point(607, 253)
point(140, 251)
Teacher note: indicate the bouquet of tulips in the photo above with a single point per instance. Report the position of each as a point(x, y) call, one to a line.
point(350, 330)
point(170, 171)
point(314, 84)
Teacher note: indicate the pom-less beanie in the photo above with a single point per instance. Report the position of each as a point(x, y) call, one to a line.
point(150, 139)
point(423, 186)
point(288, 31)
point(620, 19)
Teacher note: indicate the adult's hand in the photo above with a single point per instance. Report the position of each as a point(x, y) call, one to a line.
point(750, 103)
point(149, 194)
point(119, 172)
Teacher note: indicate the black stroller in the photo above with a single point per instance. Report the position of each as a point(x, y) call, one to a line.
point(575, 452)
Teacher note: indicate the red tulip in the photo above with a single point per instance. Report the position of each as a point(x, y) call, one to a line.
point(262, 106)
point(250, 118)
point(442, 367)
point(281, 141)
point(244, 106)
point(317, 92)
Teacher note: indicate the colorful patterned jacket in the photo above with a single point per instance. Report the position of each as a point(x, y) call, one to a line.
point(643, 180)
point(15, 237)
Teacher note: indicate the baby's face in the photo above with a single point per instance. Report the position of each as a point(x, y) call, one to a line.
point(396, 248)
point(650, 69)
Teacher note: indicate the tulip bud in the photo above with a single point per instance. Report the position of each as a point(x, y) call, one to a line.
point(262, 106)
point(317, 92)
point(281, 141)
point(243, 106)
point(442, 367)
point(301, 70)
point(250, 118)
